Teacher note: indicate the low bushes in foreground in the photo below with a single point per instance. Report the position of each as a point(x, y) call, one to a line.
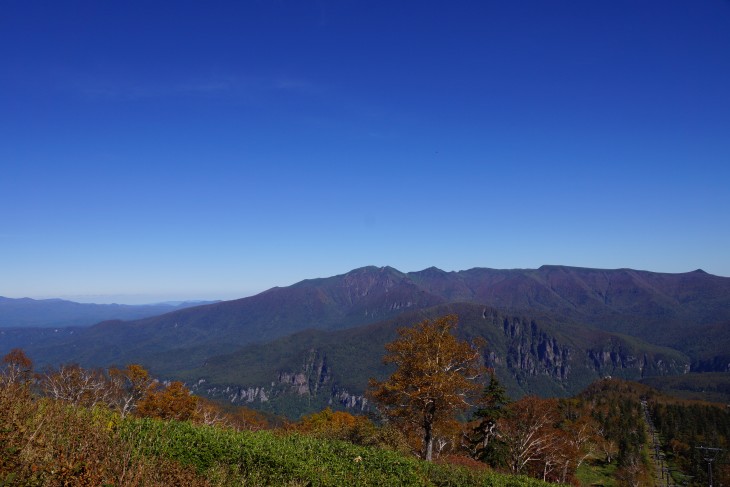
point(271, 458)
point(46, 442)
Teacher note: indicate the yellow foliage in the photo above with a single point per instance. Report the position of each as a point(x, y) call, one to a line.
point(171, 402)
point(434, 380)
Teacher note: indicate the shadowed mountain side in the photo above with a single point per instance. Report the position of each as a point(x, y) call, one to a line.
point(316, 368)
point(358, 297)
point(708, 345)
point(623, 300)
point(711, 386)
point(664, 309)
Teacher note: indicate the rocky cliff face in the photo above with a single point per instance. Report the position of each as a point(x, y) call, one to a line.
point(616, 355)
point(312, 380)
point(347, 400)
point(309, 379)
point(528, 352)
point(233, 394)
point(533, 352)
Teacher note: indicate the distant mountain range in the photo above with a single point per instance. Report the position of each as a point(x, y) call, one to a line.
point(26, 312)
point(550, 330)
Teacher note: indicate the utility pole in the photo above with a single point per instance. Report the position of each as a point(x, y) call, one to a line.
point(709, 454)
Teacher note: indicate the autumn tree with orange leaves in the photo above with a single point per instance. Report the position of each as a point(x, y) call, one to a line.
point(17, 368)
point(173, 401)
point(130, 385)
point(434, 379)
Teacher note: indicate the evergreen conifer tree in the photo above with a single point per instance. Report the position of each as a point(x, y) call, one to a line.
point(485, 435)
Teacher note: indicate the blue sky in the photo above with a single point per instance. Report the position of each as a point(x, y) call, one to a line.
point(175, 150)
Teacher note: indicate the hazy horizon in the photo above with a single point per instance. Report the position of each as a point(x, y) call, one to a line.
point(143, 299)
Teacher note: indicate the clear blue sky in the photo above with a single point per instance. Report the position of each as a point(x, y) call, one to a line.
point(183, 149)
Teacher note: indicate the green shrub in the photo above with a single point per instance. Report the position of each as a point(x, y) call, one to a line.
point(268, 458)
point(45, 442)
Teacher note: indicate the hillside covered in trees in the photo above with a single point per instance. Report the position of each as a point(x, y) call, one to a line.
point(549, 331)
point(119, 426)
point(77, 427)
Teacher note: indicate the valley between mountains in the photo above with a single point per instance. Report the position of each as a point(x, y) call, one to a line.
point(549, 331)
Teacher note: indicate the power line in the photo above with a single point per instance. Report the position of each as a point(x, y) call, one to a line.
point(709, 454)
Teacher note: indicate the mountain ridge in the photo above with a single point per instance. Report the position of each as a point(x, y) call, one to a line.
point(623, 314)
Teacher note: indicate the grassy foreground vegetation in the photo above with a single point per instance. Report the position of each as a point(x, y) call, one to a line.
point(49, 442)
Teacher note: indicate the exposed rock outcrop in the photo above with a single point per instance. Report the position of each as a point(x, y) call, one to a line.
point(534, 352)
point(616, 355)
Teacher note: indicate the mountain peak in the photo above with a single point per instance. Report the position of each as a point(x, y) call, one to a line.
point(554, 267)
point(434, 270)
point(374, 270)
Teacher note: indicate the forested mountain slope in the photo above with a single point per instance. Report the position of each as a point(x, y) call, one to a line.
point(584, 322)
point(313, 369)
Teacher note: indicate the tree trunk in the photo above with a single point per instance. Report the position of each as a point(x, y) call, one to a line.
point(428, 440)
point(428, 420)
